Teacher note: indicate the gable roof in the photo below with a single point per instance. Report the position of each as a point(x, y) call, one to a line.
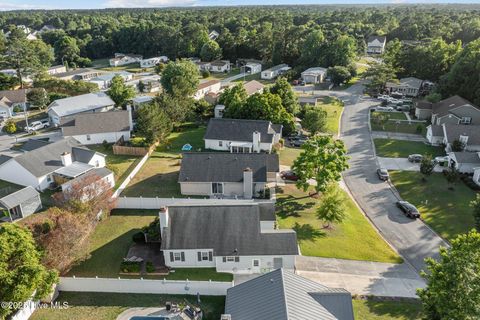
point(46, 159)
point(445, 106)
point(85, 102)
point(381, 39)
point(437, 131)
point(453, 132)
point(18, 197)
point(315, 71)
point(100, 122)
point(424, 104)
point(252, 87)
point(75, 72)
point(277, 67)
point(207, 84)
point(466, 157)
point(239, 130)
point(15, 96)
point(283, 295)
point(33, 144)
point(225, 229)
point(226, 167)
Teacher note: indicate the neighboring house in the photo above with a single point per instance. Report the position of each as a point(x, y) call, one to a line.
point(218, 111)
point(464, 162)
point(231, 175)
point(469, 136)
point(207, 87)
point(284, 295)
point(229, 238)
point(453, 110)
point(253, 86)
point(242, 136)
point(407, 86)
point(151, 85)
point(84, 74)
point(90, 102)
point(274, 72)
point(51, 164)
point(220, 66)
point(376, 44)
point(252, 67)
point(203, 66)
point(19, 202)
point(95, 128)
point(56, 69)
point(314, 75)
point(140, 100)
point(213, 35)
point(152, 62)
point(124, 59)
point(103, 81)
point(12, 99)
point(435, 134)
point(46, 28)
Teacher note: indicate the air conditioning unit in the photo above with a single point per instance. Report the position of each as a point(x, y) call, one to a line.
point(226, 317)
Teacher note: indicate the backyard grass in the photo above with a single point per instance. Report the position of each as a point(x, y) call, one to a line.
point(198, 274)
point(386, 310)
point(334, 108)
point(176, 140)
point(110, 242)
point(107, 306)
point(446, 211)
point(223, 75)
point(287, 155)
point(121, 165)
point(393, 126)
point(403, 148)
point(353, 239)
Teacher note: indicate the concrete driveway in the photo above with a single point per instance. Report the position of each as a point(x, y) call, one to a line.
point(402, 164)
point(414, 240)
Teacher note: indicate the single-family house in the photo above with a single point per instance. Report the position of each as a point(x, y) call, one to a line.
point(376, 44)
point(90, 102)
point(423, 110)
point(203, 65)
point(251, 67)
point(406, 86)
point(229, 238)
point(17, 203)
point(207, 87)
point(104, 80)
point(11, 100)
point(230, 175)
point(253, 86)
point(95, 128)
point(283, 295)
point(124, 59)
point(467, 135)
point(275, 71)
point(453, 110)
point(152, 62)
point(464, 162)
point(220, 66)
point(213, 35)
point(51, 164)
point(140, 100)
point(314, 75)
point(46, 28)
point(56, 69)
point(241, 135)
point(435, 134)
point(84, 74)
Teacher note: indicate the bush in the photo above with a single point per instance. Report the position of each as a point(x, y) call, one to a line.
point(105, 145)
point(205, 74)
point(10, 127)
point(138, 237)
point(419, 129)
point(150, 267)
point(130, 266)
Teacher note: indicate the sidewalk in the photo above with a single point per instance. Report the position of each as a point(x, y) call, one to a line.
point(398, 136)
point(402, 164)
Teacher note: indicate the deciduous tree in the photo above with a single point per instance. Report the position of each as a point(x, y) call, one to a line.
point(120, 92)
point(284, 90)
point(38, 97)
point(180, 78)
point(315, 120)
point(332, 206)
point(153, 123)
point(210, 51)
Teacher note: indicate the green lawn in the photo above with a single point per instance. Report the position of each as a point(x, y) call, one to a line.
point(393, 126)
point(402, 148)
point(176, 140)
point(386, 310)
point(334, 108)
point(121, 165)
point(391, 115)
point(107, 306)
point(354, 238)
point(223, 75)
point(288, 155)
point(201, 274)
point(446, 211)
point(110, 242)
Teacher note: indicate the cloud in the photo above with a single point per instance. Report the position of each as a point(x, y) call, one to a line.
point(5, 6)
point(148, 3)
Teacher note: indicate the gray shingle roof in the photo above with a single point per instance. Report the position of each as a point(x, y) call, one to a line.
point(18, 197)
point(101, 122)
point(445, 106)
point(226, 167)
point(283, 295)
point(238, 130)
point(224, 229)
point(253, 86)
point(437, 131)
point(15, 96)
point(424, 104)
point(467, 157)
point(46, 159)
point(454, 131)
point(33, 144)
point(82, 103)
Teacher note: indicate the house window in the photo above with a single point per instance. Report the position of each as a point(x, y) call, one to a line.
point(466, 120)
point(97, 163)
point(231, 259)
point(256, 263)
point(177, 256)
point(220, 143)
point(217, 188)
point(204, 256)
point(88, 137)
point(49, 178)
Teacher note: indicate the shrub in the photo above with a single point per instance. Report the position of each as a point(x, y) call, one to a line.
point(105, 145)
point(150, 267)
point(138, 237)
point(130, 266)
point(10, 127)
point(419, 129)
point(205, 74)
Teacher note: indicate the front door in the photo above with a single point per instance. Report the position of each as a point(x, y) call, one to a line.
point(277, 263)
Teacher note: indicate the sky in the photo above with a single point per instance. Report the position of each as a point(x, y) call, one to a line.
point(97, 4)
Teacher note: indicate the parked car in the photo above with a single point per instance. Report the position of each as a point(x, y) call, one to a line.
point(298, 142)
point(288, 175)
point(383, 174)
point(295, 82)
point(408, 209)
point(415, 158)
point(441, 159)
point(37, 125)
point(383, 97)
point(384, 109)
point(404, 108)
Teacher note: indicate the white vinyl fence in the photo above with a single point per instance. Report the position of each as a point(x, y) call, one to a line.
point(131, 176)
point(156, 203)
point(211, 288)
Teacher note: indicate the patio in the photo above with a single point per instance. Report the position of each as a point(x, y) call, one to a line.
point(148, 252)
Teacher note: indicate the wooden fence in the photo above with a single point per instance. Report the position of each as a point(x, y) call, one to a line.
point(120, 148)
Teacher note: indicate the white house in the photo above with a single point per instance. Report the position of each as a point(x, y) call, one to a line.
point(51, 163)
point(220, 66)
point(467, 135)
point(314, 75)
point(124, 59)
point(152, 62)
point(56, 69)
point(90, 102)
point(103, 81)
point(274, 72)
point(406, 86)
point(253, 86)
point(84, 74)
point(228, 238)
point(12, 99)
point(242, 136)
point(453, 110)
point(376, 44)
point(435, 134)
point(19, 202)
point(95, 128)
point(464, 162)
point(213, 35)
point(219, 174)
point(252, 67)
point(207, 87)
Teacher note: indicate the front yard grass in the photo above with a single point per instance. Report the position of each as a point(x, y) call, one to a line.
point(446, 211)
point(392, 148)
point(393, 126)
point(287, 155)
point(334, 108)
point(355, 238)
point(107, 306)
point(110, 242)
point(198, 274)
point(387, 310)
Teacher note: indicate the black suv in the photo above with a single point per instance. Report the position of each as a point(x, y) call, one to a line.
point(409, 209)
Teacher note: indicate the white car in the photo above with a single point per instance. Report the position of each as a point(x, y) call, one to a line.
point(384, 109)
point(383, 97)
point(441, 159)
point(37, 125)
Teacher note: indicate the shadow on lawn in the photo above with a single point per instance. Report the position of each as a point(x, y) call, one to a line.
point(289, 207)
point(307, 232)
point(408, 310)
point(162, 185)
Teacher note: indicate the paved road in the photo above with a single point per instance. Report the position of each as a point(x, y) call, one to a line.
point(412, 239)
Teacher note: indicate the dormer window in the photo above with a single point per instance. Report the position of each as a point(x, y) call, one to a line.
point(466, 120)
point(463, 139)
